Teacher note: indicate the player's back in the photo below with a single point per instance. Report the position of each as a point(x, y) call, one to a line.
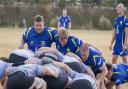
point(120, 69)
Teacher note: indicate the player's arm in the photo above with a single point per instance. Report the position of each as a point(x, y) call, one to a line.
point(88, 71)
point(126, 36)
point(103, 73)
point(110, 85)
point(59, 22)
point(43, 50)
point(62, 65)
point(5, 83)
point(23, 40)
point(126, 39)
point(112, 40)
point(58, 25)
point(21, 44)
point(70, 26)
point(75, 56)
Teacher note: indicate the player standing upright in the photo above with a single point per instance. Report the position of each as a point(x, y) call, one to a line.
point(64, 20)
point(37, 36)
point(120, 35)
point(117, 75)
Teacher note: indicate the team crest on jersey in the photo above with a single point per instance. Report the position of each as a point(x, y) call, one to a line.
point(43, 43)
point(32, 42)
point(68, 49)
point(121, 22)
point(66, 20)
point(58, 46)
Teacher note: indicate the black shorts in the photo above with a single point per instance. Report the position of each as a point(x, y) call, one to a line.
point(56, 83)
point(81, 84)
point(13, 58)
point(19, 80)
point(76, 66)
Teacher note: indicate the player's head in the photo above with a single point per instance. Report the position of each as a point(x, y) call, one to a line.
point(64, 11)
point(120, 9)
point(4, 59)
point(109, 67)
point(63, 36)
point(84, 49)
point(39, 23)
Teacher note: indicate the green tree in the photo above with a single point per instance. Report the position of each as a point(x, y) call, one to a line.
point(62, 3)
point(125, 2)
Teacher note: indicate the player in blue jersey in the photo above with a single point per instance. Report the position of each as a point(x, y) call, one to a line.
point(37, 36)
point(120, 36)
point(92, 57)
point(66, 43)
point(118, 75)
point(64, 20)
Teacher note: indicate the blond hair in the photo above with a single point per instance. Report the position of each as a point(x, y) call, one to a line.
point(63, 33)
point(120, 5)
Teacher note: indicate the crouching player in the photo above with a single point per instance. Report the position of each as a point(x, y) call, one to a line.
point(117, 75)
point(92, 57)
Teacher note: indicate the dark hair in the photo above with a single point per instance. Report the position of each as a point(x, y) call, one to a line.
point(4, 59)
point(109, 66)
point(39, 18)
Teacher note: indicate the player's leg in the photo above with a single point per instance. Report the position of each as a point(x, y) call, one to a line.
point(102, 84)
point(125, 56)
point(114, 59)
point(125, 59)
point(115, 56)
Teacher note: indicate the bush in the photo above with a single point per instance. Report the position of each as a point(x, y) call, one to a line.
point(104, 23)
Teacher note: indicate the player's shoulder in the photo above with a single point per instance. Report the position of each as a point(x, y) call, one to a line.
point(125, 18)
point(29, 30)
point(71, 37)
point(52, 29)
point(116, 18)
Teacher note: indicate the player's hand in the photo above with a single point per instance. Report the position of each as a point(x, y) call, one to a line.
point(124, 47)
point(30, 62)
point(110, 47)
point(98, 82)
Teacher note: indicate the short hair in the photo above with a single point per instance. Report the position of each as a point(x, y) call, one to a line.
point(120, 4)
point(63, 33)
point(109, 66)
point(84, 46)
point(39, 18)
point(5, 59)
